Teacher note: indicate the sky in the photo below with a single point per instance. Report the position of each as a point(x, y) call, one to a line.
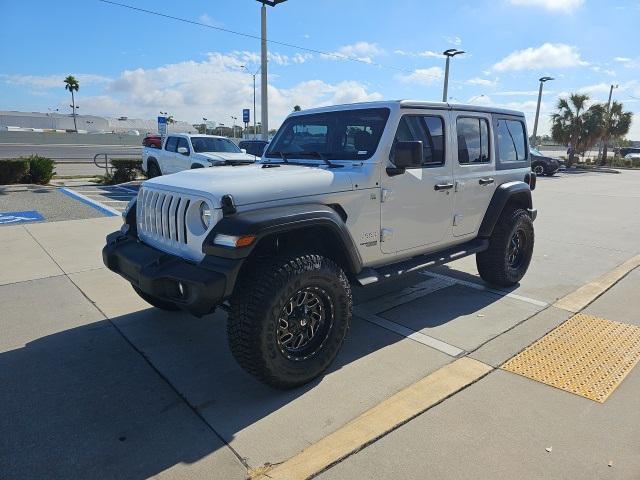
point(135, 64)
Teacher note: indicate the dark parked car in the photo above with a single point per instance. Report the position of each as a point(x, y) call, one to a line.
point(253, 147)
point(543, 165)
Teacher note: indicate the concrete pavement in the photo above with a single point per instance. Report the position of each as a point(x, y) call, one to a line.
point(97, 384)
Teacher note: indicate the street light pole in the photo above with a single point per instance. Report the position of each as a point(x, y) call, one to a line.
point(535, 122)
point(452, 52)
point(233, 131)
point(605, 140)
point(254, 96)
point(263, 65)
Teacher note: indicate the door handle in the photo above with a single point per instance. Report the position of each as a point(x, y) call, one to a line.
point(486, 181)
point(443, 186)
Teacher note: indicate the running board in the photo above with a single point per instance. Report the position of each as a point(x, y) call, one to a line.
point(371, 275)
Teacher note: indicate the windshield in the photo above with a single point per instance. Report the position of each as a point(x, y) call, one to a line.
point(209, 144)
point(343, 135)
point(535, 152)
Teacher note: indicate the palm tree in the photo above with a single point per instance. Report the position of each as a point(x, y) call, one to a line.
point(616, 124)
point(72, 85)
point(575, 125)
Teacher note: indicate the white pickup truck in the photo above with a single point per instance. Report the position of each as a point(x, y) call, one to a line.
point(181, 151)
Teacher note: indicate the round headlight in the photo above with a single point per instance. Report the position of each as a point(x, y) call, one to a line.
point(205, 214)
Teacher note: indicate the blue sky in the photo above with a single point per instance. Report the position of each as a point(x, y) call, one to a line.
point(135, 64)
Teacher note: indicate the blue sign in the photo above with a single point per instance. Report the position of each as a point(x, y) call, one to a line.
point(245, 115)
point(162, 126)
point(13, 218)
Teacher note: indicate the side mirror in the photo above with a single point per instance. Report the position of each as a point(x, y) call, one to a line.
point(406, 155)
point(183, 150)
point(243, 150)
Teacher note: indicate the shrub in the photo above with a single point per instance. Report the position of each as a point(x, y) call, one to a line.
point(40, 169)
point(13, 170)
point(124, 170)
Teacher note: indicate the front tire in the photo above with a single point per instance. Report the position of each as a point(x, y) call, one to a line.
point(510, 250)
point(156, 302)
point(288, 318)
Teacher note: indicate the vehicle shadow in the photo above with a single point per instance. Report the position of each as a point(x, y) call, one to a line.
point(123, 398)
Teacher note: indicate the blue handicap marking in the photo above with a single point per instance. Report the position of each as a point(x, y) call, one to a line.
point(20, 217)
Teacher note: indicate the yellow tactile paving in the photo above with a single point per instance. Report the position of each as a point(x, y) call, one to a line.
point(586, 355)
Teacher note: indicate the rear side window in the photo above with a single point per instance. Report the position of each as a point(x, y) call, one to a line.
point(473, 140)
point(512, 145)
point(429, 130)
point(172, 144)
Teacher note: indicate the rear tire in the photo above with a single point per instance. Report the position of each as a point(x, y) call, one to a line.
point(156, 302)
point(289, 316)
point(153, 170)
point(510, 250)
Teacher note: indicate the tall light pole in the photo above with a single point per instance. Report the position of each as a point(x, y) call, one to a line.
point(452, 52)
point(204, 126)
point(603, 160)
point(254, 96)
point(233, 131)
point(263, 63)
point(535, 122)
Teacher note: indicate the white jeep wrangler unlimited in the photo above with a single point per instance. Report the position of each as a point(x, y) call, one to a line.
point(345, 194)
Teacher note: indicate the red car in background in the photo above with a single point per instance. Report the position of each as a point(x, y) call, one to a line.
point(153, 141)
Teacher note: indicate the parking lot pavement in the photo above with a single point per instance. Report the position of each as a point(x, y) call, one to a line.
point(108, 367)
point(108, 198)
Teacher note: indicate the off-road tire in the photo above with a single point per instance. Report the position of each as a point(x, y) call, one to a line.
point(156, 302)
point(260, 296)
point(493, 264)
point(153, 170)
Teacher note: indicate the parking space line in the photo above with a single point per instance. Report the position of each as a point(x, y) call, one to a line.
point(104, 209)
point(379, 420)
point(495, 291)
point(583, 296)
point(406, 332)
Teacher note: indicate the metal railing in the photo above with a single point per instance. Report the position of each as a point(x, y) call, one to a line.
point(107, 166)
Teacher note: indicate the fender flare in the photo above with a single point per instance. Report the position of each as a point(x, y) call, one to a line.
point(264, 222)
point(511, 192)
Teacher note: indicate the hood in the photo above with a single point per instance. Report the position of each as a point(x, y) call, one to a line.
point(225, 156)
point(253, 183)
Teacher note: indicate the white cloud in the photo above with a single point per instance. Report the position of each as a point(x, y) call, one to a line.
point(422, 76)
point(552, 5)
point(424, 53)
point(455, 40)
point(546, 56)
point(622, 59)
point(52, 81)
point(522, 93)
point(363, 51)
point(215, 88)
point(482, 82)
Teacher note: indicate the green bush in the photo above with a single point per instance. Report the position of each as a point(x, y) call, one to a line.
point(124, 170)
point(635, 162)
point(14, 170)
point(40, 169)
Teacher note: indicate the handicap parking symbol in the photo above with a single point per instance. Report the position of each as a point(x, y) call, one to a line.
point(20, 217)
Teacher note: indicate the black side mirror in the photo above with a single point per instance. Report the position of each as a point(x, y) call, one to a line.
point(406, 155)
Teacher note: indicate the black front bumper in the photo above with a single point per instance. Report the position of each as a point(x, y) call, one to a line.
point(159, 274)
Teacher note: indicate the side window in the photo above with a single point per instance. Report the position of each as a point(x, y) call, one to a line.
point(512, 145)
point(473, 140)
point(172, 144)
point(182, 142)
point(429, 130)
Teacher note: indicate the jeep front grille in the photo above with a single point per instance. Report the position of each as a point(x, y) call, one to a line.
point(162, 216)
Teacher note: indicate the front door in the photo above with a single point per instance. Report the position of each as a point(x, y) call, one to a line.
point(474, 169)
point(417, 205)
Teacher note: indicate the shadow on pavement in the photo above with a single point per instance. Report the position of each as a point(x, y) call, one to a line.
point(82, 403)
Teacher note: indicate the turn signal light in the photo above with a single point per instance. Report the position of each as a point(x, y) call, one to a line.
point(234, 241)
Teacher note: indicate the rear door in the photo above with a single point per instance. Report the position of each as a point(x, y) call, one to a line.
point(473, 170)
point(416, 205)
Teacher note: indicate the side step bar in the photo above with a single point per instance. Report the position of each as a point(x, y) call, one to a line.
point(370, 275)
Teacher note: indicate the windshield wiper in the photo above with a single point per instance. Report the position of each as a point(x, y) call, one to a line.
point(321, 157)
point(282, 156)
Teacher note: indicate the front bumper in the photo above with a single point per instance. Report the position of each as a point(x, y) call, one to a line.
point(196, 288)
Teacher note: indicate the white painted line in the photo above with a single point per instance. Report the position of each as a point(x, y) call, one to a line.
point(114, 201)
point(110, 195)
point(94, 203)
point(406, 295)
point(495, 291)
point(409, 333)
point(132, 190)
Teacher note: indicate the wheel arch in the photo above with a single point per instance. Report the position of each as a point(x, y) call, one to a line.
point(316, 228)
point(509, 194)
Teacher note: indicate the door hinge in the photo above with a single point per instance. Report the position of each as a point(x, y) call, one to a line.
point(457, 220)
point(386, 234)
point(386, 195)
